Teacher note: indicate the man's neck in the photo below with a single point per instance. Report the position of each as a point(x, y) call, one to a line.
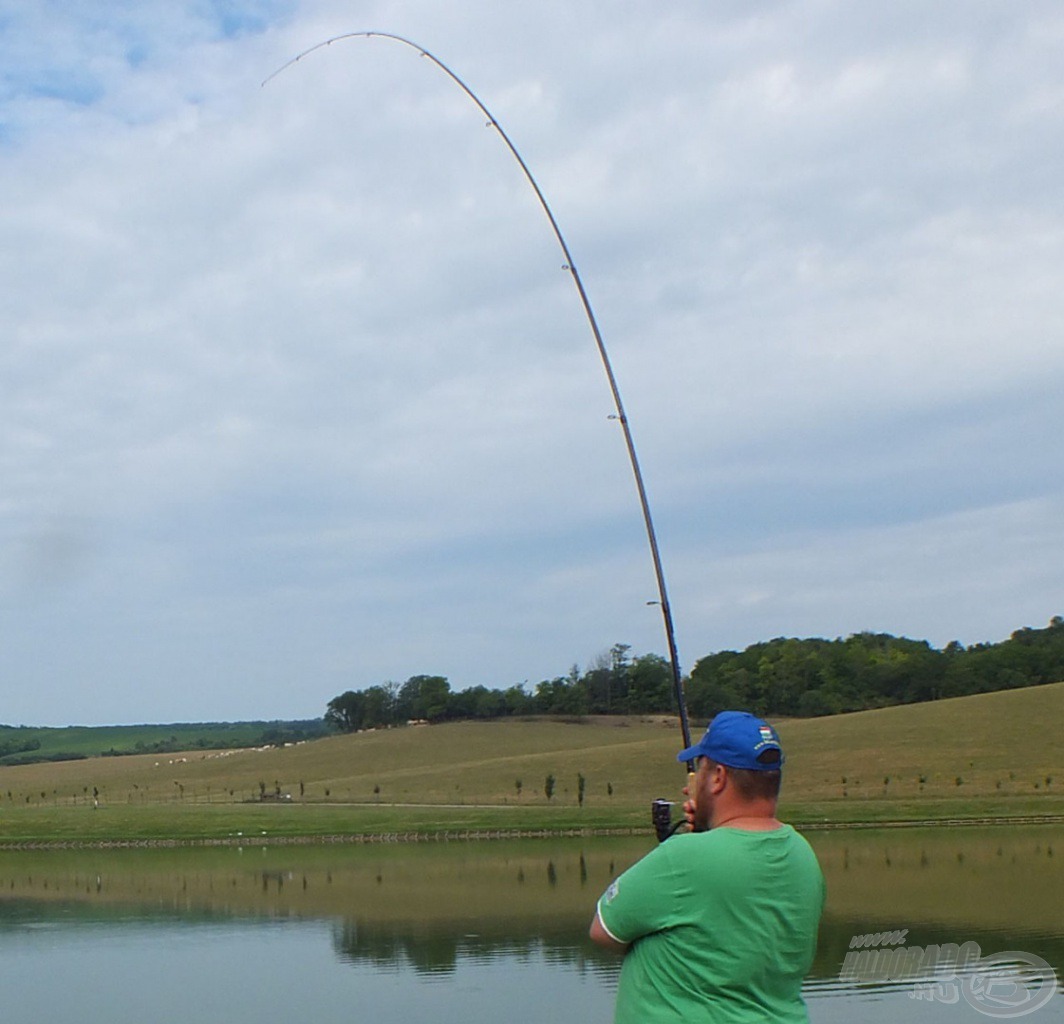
point(749, 823)
point(750, 817)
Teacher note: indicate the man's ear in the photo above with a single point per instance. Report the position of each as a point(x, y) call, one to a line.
point(718, 776)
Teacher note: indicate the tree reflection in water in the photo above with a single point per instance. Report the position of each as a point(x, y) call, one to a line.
point(429, 908)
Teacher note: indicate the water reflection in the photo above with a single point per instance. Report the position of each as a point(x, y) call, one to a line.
point(919, 920)
point(525, 884)
point(436, 911)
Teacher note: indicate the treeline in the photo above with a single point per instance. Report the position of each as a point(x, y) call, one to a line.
point(784, 677)
point(807, 678)
point(276, 736)
point(9, 748)
point(57, 755)
point(616, 684)
point(19, 751)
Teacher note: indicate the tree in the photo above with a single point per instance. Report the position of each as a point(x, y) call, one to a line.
point(649, 685)
point(606, 681)
point(346, 711)
point(489, 703)
point(516, 700)
point(378, 706)
point(424, 697)
point(548, 786)
point(435, 693)
point(817, 702)
point(715, 685)
point(560, 696)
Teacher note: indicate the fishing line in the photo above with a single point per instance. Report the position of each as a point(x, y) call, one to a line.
point(570, 266)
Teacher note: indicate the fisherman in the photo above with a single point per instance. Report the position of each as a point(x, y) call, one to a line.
point(719, 924)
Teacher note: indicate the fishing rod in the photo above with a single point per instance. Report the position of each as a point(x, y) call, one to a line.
point(621, 415)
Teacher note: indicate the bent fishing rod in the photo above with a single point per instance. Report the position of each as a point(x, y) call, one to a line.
point(621, 416)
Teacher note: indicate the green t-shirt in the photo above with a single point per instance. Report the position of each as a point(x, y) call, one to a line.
point(723, 925)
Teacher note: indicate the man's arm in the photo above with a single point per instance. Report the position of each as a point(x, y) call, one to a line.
point(602, 938)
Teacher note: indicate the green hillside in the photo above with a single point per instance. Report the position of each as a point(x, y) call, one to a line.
point(29, 744)
point(980, 756)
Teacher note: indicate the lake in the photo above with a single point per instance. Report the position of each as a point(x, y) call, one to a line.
point(916, 923)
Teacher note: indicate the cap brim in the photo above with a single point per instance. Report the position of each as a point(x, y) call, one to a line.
point(690, 753)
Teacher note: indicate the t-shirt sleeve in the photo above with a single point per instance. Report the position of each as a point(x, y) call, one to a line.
point(641, 900)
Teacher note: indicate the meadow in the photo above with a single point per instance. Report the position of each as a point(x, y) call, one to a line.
point(979, 757)
point(28, 744)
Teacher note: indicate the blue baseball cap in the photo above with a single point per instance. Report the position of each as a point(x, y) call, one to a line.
point(736, 739)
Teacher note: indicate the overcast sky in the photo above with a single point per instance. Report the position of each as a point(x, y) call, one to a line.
point(296, 396)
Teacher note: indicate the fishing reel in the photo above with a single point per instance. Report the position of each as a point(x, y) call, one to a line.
point(661, 816)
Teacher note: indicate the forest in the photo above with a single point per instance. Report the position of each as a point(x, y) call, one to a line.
point(784, 677)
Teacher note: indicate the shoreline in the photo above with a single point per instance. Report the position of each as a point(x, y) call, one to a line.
point(487, 834)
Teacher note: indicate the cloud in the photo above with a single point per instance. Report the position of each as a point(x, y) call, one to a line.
point(949, 572)
point(297, 397)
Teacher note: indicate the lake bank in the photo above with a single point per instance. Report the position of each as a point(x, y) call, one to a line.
point(220, 825)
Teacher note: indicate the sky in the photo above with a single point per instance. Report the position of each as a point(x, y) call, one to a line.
point(296, 395)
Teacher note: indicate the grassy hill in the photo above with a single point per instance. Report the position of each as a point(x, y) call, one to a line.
point(979, 756)
point(28, 744)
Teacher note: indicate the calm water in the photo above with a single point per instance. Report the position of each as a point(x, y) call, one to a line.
point(471, 932)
